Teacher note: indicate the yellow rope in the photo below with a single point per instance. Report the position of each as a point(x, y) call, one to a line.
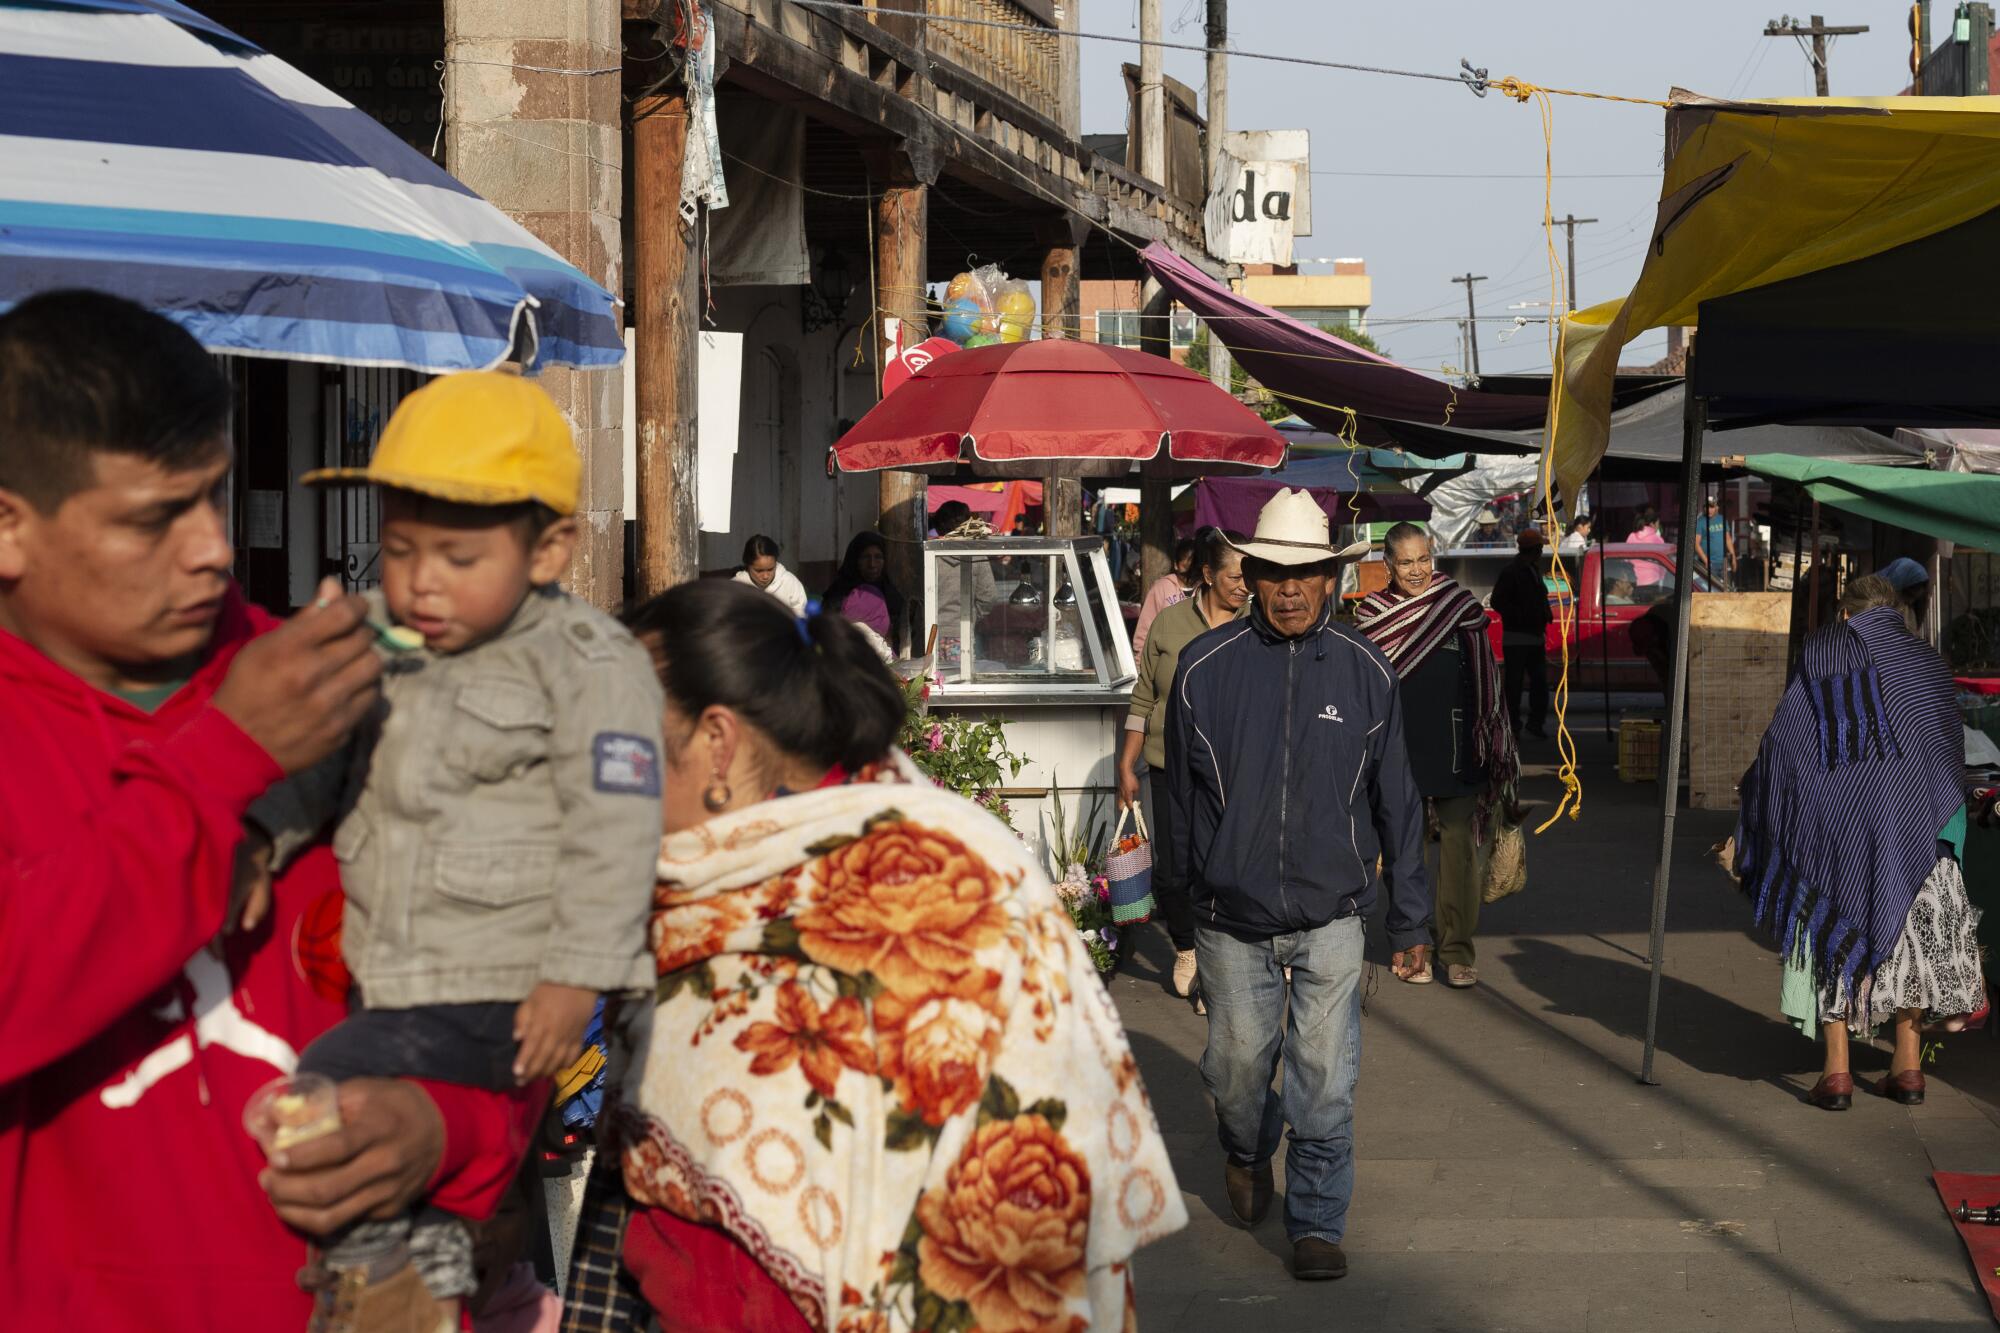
point(1572, 799)
point(1521, 90)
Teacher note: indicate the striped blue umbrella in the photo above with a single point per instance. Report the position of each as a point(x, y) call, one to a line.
point(147, 151)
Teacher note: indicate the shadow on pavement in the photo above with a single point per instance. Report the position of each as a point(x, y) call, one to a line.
point(1702, 1030)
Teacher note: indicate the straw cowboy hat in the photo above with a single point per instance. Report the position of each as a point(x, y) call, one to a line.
point(1292, 530)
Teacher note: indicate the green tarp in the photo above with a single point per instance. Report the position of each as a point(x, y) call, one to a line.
point(1955, 506)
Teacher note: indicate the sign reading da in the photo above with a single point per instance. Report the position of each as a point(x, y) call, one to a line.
point(1260, 197)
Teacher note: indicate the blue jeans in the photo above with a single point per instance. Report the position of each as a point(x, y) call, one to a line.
point(1243, 983)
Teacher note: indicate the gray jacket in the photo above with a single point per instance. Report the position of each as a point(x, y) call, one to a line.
point(501, 821)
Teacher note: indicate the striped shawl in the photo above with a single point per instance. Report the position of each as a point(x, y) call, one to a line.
point(1861, 768)
point(1409, 628)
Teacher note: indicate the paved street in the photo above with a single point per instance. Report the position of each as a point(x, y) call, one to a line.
point(1512, 1173)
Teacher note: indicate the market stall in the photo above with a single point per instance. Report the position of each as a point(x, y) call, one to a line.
point(1026, 632)
point(1830, 254)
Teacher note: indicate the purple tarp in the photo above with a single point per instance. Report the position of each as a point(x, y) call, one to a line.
point(1234, 502)
point(1305, 367)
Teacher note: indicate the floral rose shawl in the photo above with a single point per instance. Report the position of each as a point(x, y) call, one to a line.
point(881, 1059)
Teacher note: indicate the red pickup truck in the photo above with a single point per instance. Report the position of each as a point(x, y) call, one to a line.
point(1614, 585)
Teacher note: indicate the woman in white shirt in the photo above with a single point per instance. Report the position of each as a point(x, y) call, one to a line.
point(762, 571)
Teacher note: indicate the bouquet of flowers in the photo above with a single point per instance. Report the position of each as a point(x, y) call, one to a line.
point(1088, 900)
point(1082, 885)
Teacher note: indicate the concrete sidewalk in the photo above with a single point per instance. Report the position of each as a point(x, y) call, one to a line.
point(1513, 1174)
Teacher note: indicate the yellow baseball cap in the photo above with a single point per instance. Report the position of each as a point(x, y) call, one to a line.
point(480, 437)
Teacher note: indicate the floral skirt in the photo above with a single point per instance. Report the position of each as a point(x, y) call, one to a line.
point(1934, 967)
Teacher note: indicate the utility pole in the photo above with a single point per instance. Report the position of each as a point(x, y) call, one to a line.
point(1569, 223)
point(1920, 44)
point(1218, 127)
point(1472, 319)
point(1787, 26)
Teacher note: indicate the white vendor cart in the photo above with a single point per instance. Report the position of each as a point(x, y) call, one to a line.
point(1029, 634)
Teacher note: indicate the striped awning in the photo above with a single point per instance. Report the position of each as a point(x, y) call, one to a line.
point(148, 152)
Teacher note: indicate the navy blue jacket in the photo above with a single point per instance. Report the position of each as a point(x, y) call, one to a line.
point(1287, 776)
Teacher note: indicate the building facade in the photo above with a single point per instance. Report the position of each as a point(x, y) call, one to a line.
point(865, 157)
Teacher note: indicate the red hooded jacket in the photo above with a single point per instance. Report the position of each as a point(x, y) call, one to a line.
point(128, 1192)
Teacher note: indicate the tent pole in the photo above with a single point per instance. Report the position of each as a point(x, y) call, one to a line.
point(1603, 627)
point(1694, 424)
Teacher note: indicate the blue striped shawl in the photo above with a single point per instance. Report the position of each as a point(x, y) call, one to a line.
point(1861, 768)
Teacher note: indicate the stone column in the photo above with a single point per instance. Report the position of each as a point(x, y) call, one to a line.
point(545, 148)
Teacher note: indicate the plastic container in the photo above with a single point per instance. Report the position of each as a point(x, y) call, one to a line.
point(1638, 749)
point(292, 1109)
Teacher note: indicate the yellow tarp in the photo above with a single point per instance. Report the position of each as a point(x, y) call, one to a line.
point(1755, 193)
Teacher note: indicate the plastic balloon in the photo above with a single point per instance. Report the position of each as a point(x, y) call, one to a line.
point(961, 319)
point(1016, 301)
point(981, 340)
point(1012, 332)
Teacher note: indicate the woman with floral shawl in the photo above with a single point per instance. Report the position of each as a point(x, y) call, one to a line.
point(879, 1087)
point(1455, 723)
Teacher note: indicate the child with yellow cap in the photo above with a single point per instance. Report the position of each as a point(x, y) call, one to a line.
point(499, 813)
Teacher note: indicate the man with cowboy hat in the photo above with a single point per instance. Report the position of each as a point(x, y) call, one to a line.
point(1288, 778)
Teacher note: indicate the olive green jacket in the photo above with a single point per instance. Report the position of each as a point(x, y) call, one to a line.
point(499, 815)
point(1173, 629)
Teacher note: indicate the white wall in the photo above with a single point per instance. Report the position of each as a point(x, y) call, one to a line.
point(796, 389)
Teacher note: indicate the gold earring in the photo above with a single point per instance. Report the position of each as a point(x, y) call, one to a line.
point(715, 797)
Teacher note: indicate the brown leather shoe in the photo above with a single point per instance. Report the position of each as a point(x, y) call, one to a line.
point(1249, 1190)
point(1834, 1092)
point(1316, 1260)
point(1906, 1087)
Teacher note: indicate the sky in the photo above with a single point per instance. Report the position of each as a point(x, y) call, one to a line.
point(1477, 204)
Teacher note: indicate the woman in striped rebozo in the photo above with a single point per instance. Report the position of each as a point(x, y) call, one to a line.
point(1852, 824)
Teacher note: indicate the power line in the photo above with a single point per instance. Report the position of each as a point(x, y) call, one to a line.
point(1498, 175)
point(1819, 32)
point(1471, 280)
point(1569, 224)
point(1474, 80)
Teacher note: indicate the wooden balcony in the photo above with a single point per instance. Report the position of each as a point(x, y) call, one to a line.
point(991, 106)
point(1025, 60)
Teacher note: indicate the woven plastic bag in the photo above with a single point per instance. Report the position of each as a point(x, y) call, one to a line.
point(1130, 869)
point(1507, 861)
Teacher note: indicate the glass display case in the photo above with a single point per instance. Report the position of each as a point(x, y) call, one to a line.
point(1025, 619)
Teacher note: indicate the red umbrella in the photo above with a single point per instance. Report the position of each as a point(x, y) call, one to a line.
point(1013, 409)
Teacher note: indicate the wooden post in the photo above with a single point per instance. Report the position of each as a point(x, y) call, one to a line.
point(1812, 589)
point(665, 315)
point(1156, 492)
point(1152, 161)
point(1062, 317)
point(900, 262)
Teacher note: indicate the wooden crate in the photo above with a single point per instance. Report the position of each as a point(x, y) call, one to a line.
point(1736, 676)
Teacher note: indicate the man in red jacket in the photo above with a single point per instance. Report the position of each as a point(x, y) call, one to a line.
point(143, 707)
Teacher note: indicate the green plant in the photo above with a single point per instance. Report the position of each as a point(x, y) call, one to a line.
point(959, 752)
point(1262, 401)
point(1080, 881)
point(1349, 334)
